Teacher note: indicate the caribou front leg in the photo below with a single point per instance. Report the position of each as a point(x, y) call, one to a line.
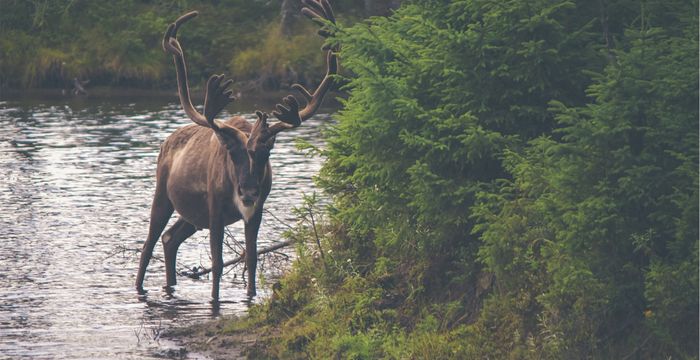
point(216, 245)
point(161, 210)
point(251, 249)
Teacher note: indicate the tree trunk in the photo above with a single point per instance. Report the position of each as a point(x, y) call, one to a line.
point(290, 13)
point(370, 7)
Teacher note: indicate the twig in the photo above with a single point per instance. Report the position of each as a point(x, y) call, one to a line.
point(203, 271)
point(123, 250)
point(278, 219)
point(318, 240)
point(637, 348)
point(229, 235)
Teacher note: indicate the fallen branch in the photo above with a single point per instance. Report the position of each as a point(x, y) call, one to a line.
point(123, 250)
point(197, 273)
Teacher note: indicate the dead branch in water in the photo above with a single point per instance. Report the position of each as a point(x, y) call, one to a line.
point(125, 252)
point(196, 274)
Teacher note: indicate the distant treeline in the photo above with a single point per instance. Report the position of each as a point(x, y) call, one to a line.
point(48, 43)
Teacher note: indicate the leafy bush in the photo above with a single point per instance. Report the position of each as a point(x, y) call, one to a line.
point(510, 180)
point(592, 223)
point(439, 93)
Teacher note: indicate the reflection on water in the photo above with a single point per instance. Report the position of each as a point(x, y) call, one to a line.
point(76, 183)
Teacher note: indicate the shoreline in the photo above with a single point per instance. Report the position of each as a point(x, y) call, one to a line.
point(216, 339)
point(246, 101)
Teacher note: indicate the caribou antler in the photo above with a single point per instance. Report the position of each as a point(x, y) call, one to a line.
point(217, 95)
point(288, 113)
point(319, 11)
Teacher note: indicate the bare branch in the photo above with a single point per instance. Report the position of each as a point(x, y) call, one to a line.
point(199, 273)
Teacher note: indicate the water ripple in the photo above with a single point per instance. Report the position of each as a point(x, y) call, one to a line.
point(75, 189)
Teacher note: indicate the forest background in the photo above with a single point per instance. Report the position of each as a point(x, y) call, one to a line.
point(261, 43)
point(508, 179)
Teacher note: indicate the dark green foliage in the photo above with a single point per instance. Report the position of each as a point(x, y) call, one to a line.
point(440, 91)
point(510, 179)
point(596, 230)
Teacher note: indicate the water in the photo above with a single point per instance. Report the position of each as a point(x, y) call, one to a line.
point(76, 182)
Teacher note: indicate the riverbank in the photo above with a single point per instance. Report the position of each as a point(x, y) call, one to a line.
point(216, 339)
point(246, 102)
point(93, 93)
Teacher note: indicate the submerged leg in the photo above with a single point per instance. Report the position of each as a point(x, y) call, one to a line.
point(161, 210)
point(172, 239)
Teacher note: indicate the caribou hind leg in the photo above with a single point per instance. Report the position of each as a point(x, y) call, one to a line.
point(172, 239)
point(161, 210)
point(216, 244)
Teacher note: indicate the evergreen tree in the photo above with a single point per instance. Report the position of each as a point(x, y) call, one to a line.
point(551, 144)
point(599, 230)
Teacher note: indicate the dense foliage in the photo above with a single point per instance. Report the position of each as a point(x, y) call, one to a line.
point(47, 43)
point(510, 179)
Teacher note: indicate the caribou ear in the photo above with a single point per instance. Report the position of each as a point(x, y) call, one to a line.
point(270, 143)
point(230, 136)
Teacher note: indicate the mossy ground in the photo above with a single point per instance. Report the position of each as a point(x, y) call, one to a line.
point(224, 338)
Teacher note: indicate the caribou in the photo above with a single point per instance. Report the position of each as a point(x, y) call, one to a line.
point(215, 173)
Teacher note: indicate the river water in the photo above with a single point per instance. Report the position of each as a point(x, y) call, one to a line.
point(76, 182)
